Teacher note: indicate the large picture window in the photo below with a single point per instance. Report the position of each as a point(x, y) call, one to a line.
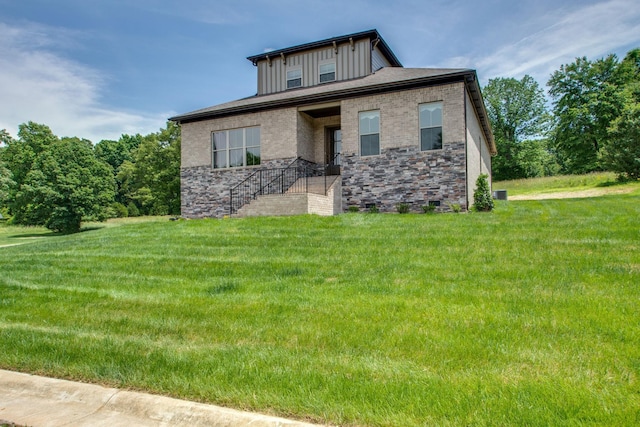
point(431, 126)
point(236, 148)
point(294, 78)
point(369, 133)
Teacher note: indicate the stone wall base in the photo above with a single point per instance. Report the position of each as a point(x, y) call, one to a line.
point(405, 175)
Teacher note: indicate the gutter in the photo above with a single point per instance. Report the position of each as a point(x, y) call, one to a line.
point(322, 97)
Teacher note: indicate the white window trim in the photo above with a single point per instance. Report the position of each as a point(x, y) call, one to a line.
point(360, 134)
point(335, 73)
point(429, 127)
point(287, 71)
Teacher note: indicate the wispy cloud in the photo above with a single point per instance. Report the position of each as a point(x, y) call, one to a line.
point(592, 31)
point(37, 83)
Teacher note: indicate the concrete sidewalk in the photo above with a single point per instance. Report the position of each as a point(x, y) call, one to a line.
point(34, 401)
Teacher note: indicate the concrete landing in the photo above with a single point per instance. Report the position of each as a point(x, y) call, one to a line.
point(34, 401)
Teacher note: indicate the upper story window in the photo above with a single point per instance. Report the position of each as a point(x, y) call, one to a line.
point(294, 78)
point(327, 72)
point(369, 132)
point(431, 126)
point(236, 148)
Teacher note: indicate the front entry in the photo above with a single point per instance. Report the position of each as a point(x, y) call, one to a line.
point(333, 148)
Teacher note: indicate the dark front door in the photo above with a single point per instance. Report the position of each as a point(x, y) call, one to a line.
point(333, 150)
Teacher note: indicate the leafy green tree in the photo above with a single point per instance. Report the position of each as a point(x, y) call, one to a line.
point(152, 180)
point(586, 100)
point(517, 111)
point(621, 153)
point(65, 185)
point(6, 184)
point(19, 154)
point(116, 153)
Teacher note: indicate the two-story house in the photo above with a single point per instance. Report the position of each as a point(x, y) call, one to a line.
point(334, 124)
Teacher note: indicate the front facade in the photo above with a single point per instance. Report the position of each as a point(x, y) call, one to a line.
point(345, 108)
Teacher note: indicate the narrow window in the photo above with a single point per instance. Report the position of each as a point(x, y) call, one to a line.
point(253, 146)
point(294, 78)
point(369, 133)
point(220, 150)
point(431, 126)
point(236, 147)
point(327, 72)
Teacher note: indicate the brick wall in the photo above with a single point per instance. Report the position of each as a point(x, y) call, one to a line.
point(402, 173)
point(278, 135)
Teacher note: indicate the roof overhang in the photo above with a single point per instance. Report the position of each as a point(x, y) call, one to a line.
point(471, 82)
point(313, 100)
point(372, 35)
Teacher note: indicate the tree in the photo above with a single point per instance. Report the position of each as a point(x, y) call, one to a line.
point(6, 177)
point(65, 185)
point(116, 153)
point(6, 184)
point(152, 180)
point(621, 153)
point(586, 100)
point(517, 112)
point(19, 154)
point(482, 200)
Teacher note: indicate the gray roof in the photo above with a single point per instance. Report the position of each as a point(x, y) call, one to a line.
point(386, 79)
point(371, 34)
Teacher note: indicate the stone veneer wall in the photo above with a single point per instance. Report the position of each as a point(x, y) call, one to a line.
point(405, 175)
point(205, 191)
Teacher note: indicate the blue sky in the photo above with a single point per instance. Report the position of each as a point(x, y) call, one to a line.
point(99, 68)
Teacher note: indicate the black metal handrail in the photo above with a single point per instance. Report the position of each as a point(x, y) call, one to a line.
point(277, 181)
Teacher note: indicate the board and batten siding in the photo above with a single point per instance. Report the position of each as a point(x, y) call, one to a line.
point(378, 60)
point(350, 62)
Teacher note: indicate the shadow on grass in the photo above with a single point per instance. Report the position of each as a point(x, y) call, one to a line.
point(52, 233)
point(618, 181)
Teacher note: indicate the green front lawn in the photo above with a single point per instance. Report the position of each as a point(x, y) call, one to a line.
point(529, 315)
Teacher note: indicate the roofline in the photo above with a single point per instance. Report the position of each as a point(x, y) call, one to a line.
point(372, 34)
point(471, 82)
point(468, 77)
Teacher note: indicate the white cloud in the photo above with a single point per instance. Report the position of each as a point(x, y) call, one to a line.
point(591, 31)
point(37, 84)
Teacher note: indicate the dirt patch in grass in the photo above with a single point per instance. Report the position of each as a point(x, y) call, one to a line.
point(581, 194)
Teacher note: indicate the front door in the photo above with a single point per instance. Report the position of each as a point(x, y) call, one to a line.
point(333, 150)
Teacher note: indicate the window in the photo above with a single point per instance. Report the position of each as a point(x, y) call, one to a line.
point(431, 126)
point(236, 147)
point(294, 78)
point(327, 72)
point(369, 133)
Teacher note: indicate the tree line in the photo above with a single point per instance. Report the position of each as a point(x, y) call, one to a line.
point(60, 182)
point(593, 123)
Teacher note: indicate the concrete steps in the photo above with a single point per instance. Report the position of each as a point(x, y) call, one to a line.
point(304, 197)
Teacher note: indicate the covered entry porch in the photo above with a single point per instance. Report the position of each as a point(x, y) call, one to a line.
point(320, 135)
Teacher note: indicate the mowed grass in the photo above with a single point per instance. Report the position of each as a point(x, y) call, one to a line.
point(561, 183)
point(529, 315)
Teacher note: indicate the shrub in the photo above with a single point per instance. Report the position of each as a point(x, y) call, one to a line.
point(133, 209)
point(482, 200)
point(402, 208)
point(354, 209)
point(455, 207)
point(428, 209)
point(373, 209)
point(119, 210)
